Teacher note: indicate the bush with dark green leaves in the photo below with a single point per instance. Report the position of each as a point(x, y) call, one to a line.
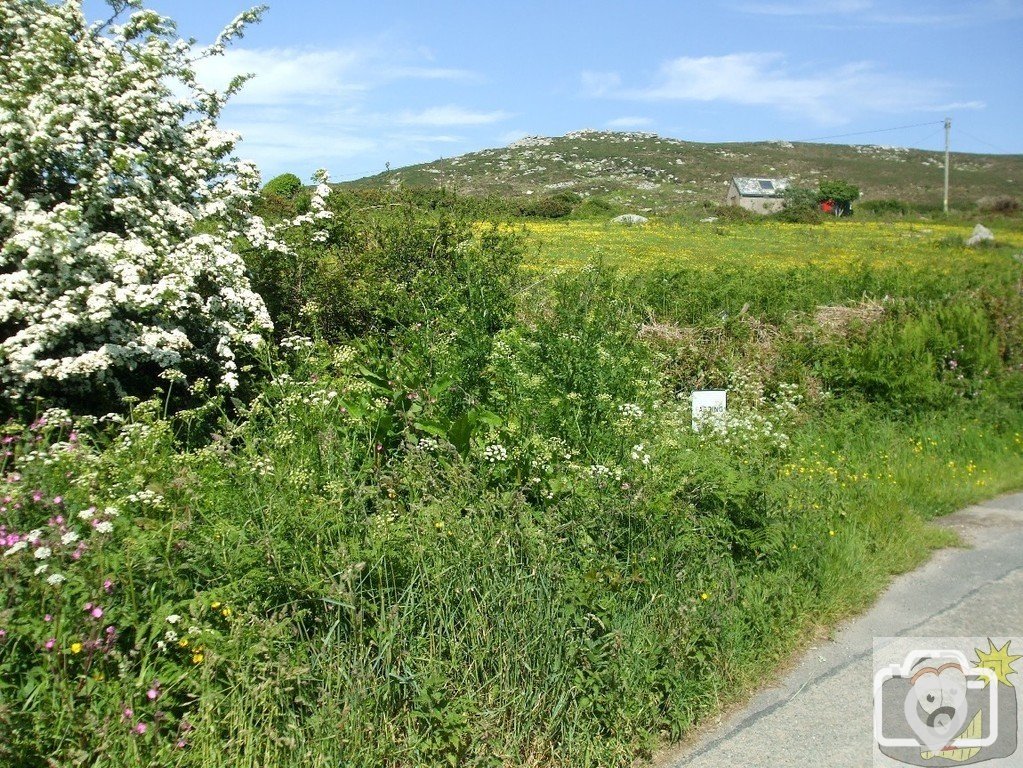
point(287, 185)
point(545, 208)
point(884, 207)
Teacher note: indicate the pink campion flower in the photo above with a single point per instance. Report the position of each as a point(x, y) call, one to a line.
point(47, 618)
point(48, 645)
point(73, 437)
point(58, 500)
point(154, 691)
point(96, 613)
point(127, 713)
point(108, 586)
point(140, 728)
point(37, 495)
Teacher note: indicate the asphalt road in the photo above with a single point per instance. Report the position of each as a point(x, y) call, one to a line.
point(820, 712)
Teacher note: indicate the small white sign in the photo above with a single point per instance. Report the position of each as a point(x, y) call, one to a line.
point(708, 406)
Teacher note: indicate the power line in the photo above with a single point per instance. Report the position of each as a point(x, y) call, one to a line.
point(879, 130)
point(988, 143)
point(923, 142)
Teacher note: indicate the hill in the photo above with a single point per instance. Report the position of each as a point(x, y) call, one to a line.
point(653, 172)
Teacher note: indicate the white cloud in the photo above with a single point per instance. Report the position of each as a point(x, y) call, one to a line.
point(956, 105)
point(831, 94)
point(807, 8)
point(433, 73)
point(511, 136)
point(892, 12)
point(425, 138)
point(601, 83)
point(310, 76)
point(305, 108)
point(630, 122)
point(286, 75)
point(450, 115)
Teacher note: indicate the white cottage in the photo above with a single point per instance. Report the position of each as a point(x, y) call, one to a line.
point(757, 195)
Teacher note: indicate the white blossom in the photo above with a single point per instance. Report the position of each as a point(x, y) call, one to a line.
point(15, 548)
point(105, 171)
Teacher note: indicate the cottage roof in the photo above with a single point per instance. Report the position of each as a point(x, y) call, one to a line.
point(749, 187)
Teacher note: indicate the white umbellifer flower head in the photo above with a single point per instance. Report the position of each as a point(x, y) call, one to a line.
point(495, 453)
point(630, 411)
point(16, 547)
point(42, 553)
point(69, 538)
point(55, 578)
point(104, 526)
point(173, 618)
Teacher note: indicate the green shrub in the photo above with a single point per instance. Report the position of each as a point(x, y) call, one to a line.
point(1005, 204)
point(920, 358)
point(884, 207)
point(799, 215)
point(545, 208)
point(596, 207)
point(735, 213)
point(385, 265)
point(285, 186)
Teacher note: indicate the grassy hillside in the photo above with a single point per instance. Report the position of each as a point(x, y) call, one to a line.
point(655, 172)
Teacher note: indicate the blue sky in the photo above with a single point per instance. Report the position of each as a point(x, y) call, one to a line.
point(353, 86)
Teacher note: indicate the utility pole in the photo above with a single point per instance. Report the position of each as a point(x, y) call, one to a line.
point(948, 130)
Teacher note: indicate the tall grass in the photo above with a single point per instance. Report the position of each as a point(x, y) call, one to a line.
point(490, 536)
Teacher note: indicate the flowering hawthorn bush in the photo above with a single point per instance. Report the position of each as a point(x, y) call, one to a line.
point(106, 170)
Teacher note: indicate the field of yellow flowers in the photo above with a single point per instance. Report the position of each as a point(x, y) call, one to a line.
point(838, 246)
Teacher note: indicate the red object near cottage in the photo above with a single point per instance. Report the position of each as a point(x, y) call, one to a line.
point(828, 206)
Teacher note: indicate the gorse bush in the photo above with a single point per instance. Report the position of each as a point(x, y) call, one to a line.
point(106, 280)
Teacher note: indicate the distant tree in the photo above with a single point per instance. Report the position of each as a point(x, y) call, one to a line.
point(287, 185)
point(840, 193)
point(801, 198)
